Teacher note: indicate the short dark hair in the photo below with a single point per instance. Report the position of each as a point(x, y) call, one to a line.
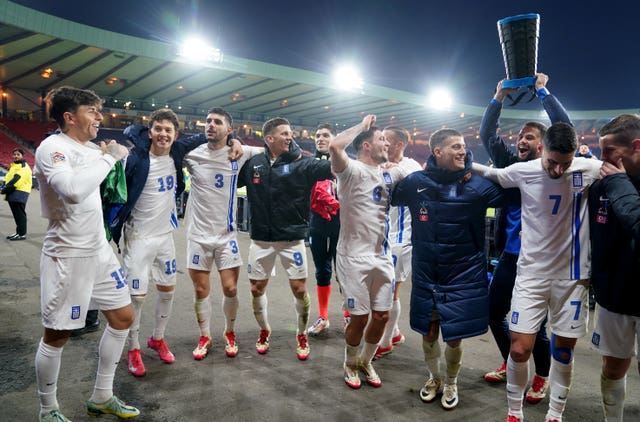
point(439, 136)
point(561, 137)
point(271, 124)
point(625, 127)
point(222, 112)
point(165, 114)
point(542, 128)
point(67, 99)
point(327, 126)
point(20, 150)
point(401, 133)
point(362, 137)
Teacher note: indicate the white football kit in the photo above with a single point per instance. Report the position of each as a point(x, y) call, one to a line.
point(77, 263)
point(149, 251)
point(555, 245)
point(363, 246)
point(212, 207)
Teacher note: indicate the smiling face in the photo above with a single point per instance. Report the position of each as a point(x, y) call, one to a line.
point(323, 138)
point(216, 129)
point(379, 148)
point(451, 154)
point(83, 124)
point(528, 140)
point(162, 134)
point(279, 139)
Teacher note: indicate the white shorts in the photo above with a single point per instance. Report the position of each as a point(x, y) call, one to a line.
point(151, 257)
point(616, 335)
point(367, 283)
point(68, 285)
point(262, 258)
point(223, 251)
point(565, 301)
point(401, 254)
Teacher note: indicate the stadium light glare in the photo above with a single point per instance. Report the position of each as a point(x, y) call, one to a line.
point(440, 99)
point(348, 78)
point(196, 49)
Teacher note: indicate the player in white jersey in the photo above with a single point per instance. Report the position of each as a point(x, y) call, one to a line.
point(212, 227)
point(399, 237)
point(553, 266)
point(364, 264)
point(77, 265)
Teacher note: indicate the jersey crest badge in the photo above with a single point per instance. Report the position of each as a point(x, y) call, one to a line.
point(601, 217)
point(387, 178)
point(351, 303)
point(195, 259)
point(256, 175)
point(453, 191)
point(57, 157)
point(514, 317)
point(75, 312)
point(286, 169)
point(595, 339)
point(577, 179)
point(424, 213)
point(135, 283)
point(234, 165)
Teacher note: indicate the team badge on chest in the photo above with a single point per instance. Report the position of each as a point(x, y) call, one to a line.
point(577, 179)
point(286, 169)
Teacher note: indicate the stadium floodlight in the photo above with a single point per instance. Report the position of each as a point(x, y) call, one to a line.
point(348, 78)
point(197, 50)
point(440, 99)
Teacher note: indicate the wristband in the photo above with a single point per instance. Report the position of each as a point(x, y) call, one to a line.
point(542, 92)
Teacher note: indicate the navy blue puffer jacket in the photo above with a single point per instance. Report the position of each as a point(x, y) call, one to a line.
point(449, 266)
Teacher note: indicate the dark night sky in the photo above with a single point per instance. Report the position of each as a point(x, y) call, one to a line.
point(590, 49)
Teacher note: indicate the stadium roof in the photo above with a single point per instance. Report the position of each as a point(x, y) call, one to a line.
point(39, 52)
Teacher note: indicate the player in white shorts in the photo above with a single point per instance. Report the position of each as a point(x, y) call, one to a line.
point(614, 208)
point(212, 227)
point(399, 237)
point(279, 183)
point(77, 265)
point(363, 263)
point(553, 264)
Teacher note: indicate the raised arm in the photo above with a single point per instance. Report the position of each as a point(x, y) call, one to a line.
point(552, 106)
point(497, 149)
point(337, 147)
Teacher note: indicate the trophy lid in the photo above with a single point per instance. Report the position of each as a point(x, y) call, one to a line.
point(519, 18)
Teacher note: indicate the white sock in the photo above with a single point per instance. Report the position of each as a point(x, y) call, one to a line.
point(134, 331)
point(613, 393)
point(351, 355)
point(203, 315)
point(432, 353)
point(453, 358)
point(302, 310)
point(109, 352)
point(230, 310)
point(559, 385)
point(164, 304)
point(517, 379)
point(259, 304)
point(368, 350)
point(392, 324)
point(48, 360)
